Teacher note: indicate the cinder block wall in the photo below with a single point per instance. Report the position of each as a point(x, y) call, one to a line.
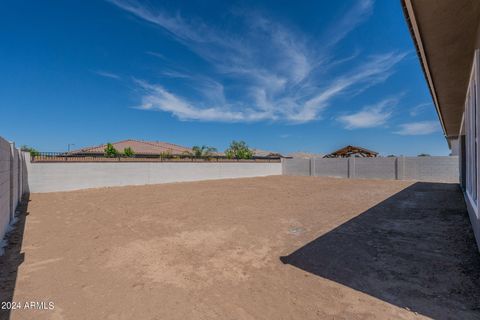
point(330, 167)
point(11, 183)
point(4, 186)
point(296, 167)
point(374, 168)
point(431, 169)
point(52, 177)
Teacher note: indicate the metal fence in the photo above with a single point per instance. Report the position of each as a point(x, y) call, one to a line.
point(92, 157)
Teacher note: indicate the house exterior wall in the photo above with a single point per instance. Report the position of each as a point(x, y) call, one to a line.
point(470, 147)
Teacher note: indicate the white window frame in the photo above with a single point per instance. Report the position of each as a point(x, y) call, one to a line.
point(472, 132)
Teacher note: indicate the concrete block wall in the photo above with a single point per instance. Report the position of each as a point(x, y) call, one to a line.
point(296, 167)
point(431, 169)
point(53, 177)
point(14, 176)
point(374, 168)
point(5, 199)
point(11, 183)
point(330, 167)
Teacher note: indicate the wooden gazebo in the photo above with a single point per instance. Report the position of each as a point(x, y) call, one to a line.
point(352, 151)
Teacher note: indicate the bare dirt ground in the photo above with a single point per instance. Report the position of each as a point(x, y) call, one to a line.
point(261, 248)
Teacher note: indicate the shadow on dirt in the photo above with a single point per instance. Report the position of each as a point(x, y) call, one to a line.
point(12, 258)
point(414, 250)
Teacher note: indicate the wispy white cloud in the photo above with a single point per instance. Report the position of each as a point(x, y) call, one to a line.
point(278, 72)
point(418, 128)
point(377, 69)
point(370, 116)
point(290, 108)
point(157, 98)
point(357, 14)
point(155, 54)
point(419, 108)
point(175, 74)
point(107, 74)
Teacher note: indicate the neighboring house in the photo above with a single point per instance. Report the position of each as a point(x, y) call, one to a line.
point(447, 38)
point(305, 155)
point(352, 151)
point(266, 154)
point(138, 146)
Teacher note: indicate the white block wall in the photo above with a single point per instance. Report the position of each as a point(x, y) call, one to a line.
point(52, 177)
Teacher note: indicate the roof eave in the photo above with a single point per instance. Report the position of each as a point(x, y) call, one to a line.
point(409, 14)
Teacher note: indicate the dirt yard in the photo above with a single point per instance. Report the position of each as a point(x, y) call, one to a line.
point(261, 248)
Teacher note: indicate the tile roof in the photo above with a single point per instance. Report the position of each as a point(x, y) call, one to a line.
point(264, 153)
point(138, 146)
point(305, 155)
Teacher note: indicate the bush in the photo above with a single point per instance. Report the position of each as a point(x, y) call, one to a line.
point(203, 151)
point(128, 152)
point(165, 155)
point(110, 151)
point(33, 152)
point(238, 150)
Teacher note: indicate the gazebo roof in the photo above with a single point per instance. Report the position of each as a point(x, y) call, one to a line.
point(350, 150)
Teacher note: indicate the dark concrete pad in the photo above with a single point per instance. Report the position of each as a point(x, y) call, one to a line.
point(415, 250)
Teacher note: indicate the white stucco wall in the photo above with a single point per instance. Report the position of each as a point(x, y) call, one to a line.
point(52, 177)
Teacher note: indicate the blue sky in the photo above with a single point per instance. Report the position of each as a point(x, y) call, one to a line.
point(286, 76)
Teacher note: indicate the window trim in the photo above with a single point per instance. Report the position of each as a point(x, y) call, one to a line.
point(471, 119)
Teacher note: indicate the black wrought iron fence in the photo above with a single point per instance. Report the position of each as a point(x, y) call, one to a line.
point(92, 157)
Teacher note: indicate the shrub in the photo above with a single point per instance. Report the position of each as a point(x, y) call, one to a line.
point(203, 151)
point(187, 154)
point(110, 151)
point(238, 150)
point(33, 152)
point(128, 152)
point(165, 155)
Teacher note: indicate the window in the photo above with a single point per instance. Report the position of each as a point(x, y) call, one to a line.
point(472, 123)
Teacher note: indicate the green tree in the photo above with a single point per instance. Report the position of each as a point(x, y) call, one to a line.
point(110, 151)
point(238, 150)
point(128, 152)
point(203, 151)
point(423, 155)
point(33, 152)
